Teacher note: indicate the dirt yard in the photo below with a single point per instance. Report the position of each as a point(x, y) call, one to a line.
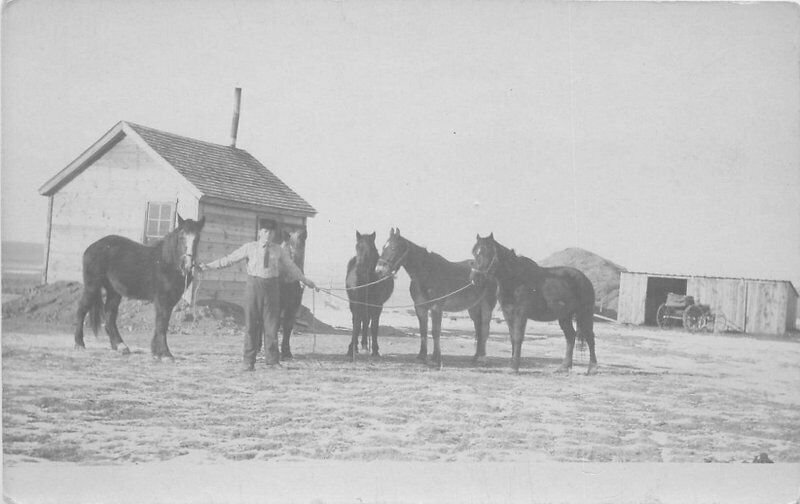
point(659, 396)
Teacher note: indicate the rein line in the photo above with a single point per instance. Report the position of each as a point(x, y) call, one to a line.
point(358, 286)
point(328, 292)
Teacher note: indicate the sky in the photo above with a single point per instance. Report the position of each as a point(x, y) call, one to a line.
point(662, 136)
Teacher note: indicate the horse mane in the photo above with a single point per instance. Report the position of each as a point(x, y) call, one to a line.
point(169, 248)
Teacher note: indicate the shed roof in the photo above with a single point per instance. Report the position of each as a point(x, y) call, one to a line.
point(216, 171)
point(672, 275)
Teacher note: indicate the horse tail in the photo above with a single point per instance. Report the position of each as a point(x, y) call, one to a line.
point(95, 310)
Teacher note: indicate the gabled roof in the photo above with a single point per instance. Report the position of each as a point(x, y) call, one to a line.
point(215, 171)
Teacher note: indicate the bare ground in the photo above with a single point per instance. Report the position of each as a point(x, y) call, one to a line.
point(659, 396)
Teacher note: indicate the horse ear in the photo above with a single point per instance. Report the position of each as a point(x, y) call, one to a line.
point(358, 235)
point(372, 237)
point(398, 231)
point(477, 236)
point(180, 220)
point(491, 235)
point(304, 234)
point(391, 232)
point(202, 221)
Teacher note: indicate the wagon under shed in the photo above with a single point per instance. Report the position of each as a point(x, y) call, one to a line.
point(133, 182)
point(742, 304)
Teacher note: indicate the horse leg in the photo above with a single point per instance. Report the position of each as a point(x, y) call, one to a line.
point(158, 345)
point(476, 315)
point(365, 330)
point(91, 296)
point(517, 335)
point(288, 325)
point(353, 348)
point(586, 333)
point(374, 325)
point(422, 316)
point(569, 334)
point(113, 299)
point(436, 329)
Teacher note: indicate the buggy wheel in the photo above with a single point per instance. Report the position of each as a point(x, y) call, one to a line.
point(720, 323)
point(662, 316)
point(693, 318)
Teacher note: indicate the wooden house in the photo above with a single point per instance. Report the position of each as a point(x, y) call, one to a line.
point(745, 305)
point(133, 182)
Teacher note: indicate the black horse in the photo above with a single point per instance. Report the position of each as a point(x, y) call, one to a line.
point(528, 291)
point(367, 293)
point(159, 273)
point(294, 242)
point(437, 286)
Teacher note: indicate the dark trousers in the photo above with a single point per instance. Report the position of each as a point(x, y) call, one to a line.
point(262, 315)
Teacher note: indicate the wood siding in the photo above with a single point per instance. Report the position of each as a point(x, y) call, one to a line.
point(109, 197)
point(744, 305)
point(766, 307)
point(727, 297)
point(226, 229)
point(632, 294)
point(791, 310)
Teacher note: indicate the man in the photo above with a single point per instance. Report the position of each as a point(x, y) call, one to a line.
point(266, 262)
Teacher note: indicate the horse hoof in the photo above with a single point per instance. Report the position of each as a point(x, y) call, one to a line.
point(79, 347)
point(376, 354)
point(562, 369)
point(592, 370)
point(287, 356)
point(125, 350)
point(480, 360)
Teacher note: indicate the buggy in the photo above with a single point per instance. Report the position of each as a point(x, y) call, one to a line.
point(693, 316)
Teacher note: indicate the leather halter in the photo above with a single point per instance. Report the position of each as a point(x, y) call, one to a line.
point(393, 268)
point(488, 270)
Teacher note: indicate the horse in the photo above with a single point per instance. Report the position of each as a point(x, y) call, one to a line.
point(367, 293)
point(529, 291)
point(437, 286)
point(160, 273)
point(294, 243)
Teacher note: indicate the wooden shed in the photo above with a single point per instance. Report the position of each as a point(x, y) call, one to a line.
point(746, 305)
point(134, 181)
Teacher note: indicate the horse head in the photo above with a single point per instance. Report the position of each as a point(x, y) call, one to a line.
point(366, 251)
point(485, 263)
point(295, 243)
point(394, 254)
point(188, 236)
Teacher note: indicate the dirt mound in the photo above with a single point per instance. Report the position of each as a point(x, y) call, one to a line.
point(603, 273)
point(56, 304)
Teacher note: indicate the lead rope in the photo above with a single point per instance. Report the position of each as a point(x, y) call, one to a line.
point(314, 319)
point(414, 305)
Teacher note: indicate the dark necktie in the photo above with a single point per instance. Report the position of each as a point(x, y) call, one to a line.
point(266, 257)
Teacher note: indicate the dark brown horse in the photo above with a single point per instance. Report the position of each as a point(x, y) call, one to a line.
point(367, 293)
point(437, 286)
point(123, 268)
point(528, 291)
point(294, 242)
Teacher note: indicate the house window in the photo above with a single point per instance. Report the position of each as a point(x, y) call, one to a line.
point(160, 217)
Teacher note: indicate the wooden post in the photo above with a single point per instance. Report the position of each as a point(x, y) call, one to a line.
point(47, 238)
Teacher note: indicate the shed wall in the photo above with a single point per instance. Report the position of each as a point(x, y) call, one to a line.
point(767, 307)
point(791, 311)
point(109, 197)
point(752, 306)
point(726, 297)
point(226, 229)
point(632, 294)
